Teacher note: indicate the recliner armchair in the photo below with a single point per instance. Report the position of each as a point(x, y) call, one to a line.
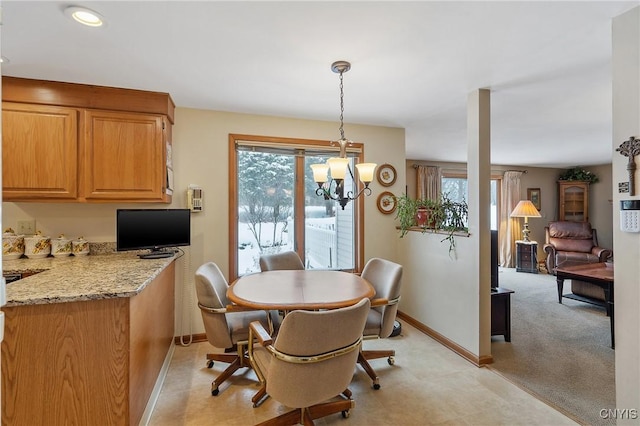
point(574, 243)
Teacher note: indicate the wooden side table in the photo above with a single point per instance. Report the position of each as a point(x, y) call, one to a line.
point(501, 312)
point(527, 256)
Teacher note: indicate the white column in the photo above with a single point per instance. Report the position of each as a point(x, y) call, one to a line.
point(479, 181)
point(626, 246)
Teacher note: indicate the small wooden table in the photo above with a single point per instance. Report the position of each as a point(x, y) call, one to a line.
point(501, 312)
point(600, 274)
point(527, 256)
point(308, 289)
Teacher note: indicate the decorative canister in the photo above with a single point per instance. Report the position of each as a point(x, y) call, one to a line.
point(12, 245)
point(80, 247)
point(61, 246)
point(37, 246)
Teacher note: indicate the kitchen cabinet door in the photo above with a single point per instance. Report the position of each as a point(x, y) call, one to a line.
point(39, 152)
point(124, 157)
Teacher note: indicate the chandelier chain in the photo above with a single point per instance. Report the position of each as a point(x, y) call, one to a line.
point(341, 107)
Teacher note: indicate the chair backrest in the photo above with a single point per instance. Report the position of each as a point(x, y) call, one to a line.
point(314, 333)
point(287, 260)
point(571, 236)
point(385, 276)
point(211, 289)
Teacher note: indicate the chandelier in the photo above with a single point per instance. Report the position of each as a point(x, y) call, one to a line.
point(333, 188)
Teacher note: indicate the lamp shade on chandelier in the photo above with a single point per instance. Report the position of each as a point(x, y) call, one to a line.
point(331, 175)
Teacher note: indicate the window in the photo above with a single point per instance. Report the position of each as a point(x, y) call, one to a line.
point(455, 186)
point(274, 207)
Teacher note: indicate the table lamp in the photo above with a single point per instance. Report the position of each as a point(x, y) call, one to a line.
point(526, 209)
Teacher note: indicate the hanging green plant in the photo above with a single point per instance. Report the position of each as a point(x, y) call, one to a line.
point(578, 173)
point(443, 216)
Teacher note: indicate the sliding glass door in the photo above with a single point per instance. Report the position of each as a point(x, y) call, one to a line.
point(274, 207)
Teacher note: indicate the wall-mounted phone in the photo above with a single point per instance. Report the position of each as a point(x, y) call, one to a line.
point(630, 215)
point(195, 195)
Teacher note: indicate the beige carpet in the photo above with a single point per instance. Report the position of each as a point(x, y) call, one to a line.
point(559, 352)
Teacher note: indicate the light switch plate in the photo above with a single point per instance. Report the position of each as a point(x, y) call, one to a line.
point(26, 227)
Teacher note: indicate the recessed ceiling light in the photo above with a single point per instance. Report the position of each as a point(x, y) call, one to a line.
point(85, 16)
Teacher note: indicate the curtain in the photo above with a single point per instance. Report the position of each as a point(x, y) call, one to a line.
point(429, 185)
point(509, 227)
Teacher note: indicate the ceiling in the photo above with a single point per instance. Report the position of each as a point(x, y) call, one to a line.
point(547, 64)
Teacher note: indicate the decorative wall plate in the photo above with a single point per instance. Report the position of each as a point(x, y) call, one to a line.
point(386, 175)
point(386, 202)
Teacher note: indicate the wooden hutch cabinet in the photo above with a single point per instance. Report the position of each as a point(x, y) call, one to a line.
point(80, 143)
point(574, 201)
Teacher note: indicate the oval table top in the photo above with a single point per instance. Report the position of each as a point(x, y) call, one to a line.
point(309, 289)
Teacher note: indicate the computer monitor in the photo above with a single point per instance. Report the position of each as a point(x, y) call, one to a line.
point(154, 229)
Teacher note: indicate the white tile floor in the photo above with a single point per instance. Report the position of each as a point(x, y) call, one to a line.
point(428, 385)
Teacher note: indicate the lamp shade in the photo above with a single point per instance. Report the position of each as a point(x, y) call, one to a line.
point(525, 208)
point(320, 172)
point(338, 166)
point(365, 171)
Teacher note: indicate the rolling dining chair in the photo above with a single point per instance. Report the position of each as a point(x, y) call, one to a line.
point(281, 261)
point(310, 362)
point(386, 277)
point(226, 325)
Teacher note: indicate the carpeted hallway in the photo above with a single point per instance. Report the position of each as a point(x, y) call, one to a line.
point(560, 352)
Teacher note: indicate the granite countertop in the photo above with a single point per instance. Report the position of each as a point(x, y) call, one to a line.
point(76, 278)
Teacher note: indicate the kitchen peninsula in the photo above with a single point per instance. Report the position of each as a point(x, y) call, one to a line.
point(85, 338)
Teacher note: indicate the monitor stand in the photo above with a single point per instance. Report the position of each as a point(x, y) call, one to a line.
point(157, 254)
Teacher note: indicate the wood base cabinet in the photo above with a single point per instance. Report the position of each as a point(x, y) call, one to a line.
point(89, 362)
point(72, 142)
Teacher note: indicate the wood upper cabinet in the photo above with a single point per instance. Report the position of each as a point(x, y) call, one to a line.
point(39, 152)
point(574, 201)
point(124, 156)
point(78, 143)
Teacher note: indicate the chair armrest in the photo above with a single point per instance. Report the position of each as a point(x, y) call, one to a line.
point(384, 302)
point(602, 253)
point(258, 331)
point(550, 261)
point(238, 308)
point(228, 308)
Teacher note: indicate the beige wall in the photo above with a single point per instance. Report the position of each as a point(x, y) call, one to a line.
point(200, 156)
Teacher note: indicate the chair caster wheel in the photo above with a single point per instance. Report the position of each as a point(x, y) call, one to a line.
point(376, 386)
point(209, 364)
point(391, 360)
point(346, 413)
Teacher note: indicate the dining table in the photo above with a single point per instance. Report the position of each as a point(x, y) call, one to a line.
point(288, 290)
